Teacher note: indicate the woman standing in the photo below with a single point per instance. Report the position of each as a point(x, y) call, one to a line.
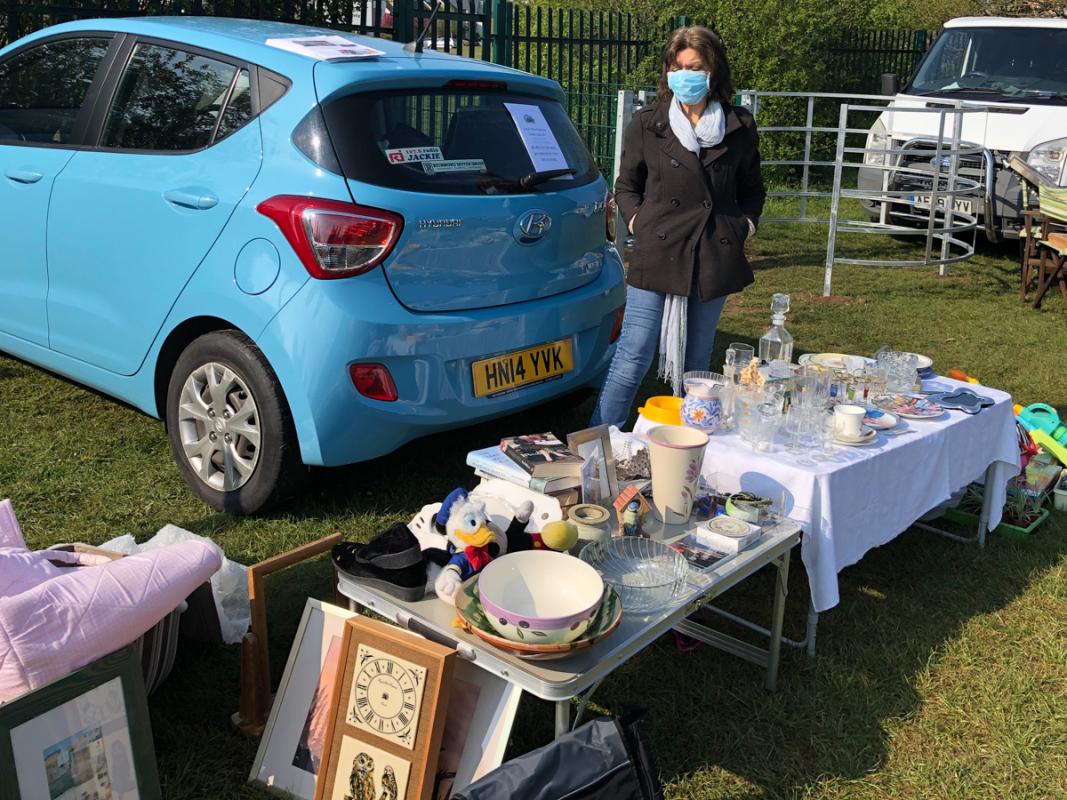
point(691, 191)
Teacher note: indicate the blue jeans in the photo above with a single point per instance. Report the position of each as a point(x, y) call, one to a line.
point(638, 344)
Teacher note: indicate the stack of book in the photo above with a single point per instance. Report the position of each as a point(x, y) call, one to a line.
point(539, 461)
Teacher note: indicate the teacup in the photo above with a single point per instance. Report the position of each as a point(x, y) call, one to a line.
point(848, 421)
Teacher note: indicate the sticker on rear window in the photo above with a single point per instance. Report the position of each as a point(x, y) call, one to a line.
point(455, 165)
point(325, 48)
point(412, 155)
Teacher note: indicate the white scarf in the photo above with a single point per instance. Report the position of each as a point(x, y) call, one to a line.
point(708, 132)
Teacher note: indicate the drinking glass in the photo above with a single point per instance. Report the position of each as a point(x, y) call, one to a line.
point(901, 370)
point(811, 388)
point(825, 427)
point(801, 427)
point(738, 356)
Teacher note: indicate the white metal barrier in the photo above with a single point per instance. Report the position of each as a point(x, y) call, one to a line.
point(916, 185)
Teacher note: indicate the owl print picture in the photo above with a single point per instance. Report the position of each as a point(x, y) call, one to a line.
point(367, 773)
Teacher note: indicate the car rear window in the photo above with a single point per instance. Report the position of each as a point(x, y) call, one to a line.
point(457, 141)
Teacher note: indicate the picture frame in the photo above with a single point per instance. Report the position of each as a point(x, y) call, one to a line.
point(481, 713)
point(291, 750)
point(87, 734)
point(387, 714)
point(599, 481)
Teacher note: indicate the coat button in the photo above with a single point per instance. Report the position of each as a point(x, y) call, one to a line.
point(707, 204)
point(724, 240)
point(661, 235)
point(674, 162)
point(716, 165)
point(674, 202)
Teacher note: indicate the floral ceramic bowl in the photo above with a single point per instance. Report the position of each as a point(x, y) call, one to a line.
point(539, 593)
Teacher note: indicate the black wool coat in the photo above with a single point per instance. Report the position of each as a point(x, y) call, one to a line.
point(692, 211)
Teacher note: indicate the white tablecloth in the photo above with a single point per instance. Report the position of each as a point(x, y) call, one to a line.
point(867, 496)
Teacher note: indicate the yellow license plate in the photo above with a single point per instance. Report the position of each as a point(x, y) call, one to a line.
point(511, 371)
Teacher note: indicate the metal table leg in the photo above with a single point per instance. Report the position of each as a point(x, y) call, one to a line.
point(781, 591)
point(563, 717)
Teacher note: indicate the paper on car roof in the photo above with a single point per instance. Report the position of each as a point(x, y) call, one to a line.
point(325, 48)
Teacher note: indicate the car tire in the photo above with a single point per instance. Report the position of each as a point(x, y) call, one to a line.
point(229, 425)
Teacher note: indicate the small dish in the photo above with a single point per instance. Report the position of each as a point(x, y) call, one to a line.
point(880, 420)
point(922, 362)
point(868, 437)
point(729, 526)
point(908, 406)
point(472, 617)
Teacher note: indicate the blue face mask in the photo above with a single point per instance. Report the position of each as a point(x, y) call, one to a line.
point(689, 86)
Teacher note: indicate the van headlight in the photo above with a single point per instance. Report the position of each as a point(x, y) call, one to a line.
point(1048, 159)
point(877, 139)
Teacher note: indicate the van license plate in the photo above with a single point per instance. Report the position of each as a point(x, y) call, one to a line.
point(958, 205)
point(504, 373)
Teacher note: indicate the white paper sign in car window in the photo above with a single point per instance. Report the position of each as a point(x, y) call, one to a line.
point(453, 165)
point(537, 136)
point(413, 155)
point(325, 48)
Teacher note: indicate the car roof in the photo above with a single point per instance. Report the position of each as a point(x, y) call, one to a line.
point(1007, 22)
point(246, 39)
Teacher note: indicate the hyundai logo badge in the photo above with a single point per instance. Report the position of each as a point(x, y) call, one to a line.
point(532, 226)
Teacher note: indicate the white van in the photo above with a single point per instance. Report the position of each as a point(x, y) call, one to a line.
point(1017, 67)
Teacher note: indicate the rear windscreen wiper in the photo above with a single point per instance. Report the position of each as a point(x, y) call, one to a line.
point(534, 178)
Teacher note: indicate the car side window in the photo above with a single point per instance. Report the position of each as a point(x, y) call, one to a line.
point(42, 89)
point(169, 99)
point(238, 108)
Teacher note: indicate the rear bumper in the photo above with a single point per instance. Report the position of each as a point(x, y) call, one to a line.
point(330, 325)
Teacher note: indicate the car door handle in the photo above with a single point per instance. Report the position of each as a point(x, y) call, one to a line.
point(199, 201)
point(23, 175)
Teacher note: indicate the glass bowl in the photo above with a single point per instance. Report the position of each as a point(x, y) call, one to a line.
point(648, 575)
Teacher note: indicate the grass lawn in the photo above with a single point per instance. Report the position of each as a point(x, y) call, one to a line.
point(942, 674)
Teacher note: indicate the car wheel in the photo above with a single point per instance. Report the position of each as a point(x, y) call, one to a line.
point(229, 425)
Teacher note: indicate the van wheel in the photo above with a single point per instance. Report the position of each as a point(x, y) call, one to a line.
point(229, 425)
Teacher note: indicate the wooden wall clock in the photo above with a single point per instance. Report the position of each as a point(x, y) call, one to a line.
point(387, 715)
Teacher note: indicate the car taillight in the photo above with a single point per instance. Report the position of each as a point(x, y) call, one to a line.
point(334, 239)
point(611, 212)
point(373, 381)
point(616, 328)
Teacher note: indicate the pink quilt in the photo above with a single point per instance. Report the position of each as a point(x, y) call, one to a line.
point(54, 620)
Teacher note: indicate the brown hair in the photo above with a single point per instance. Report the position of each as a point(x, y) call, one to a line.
point(712, 52)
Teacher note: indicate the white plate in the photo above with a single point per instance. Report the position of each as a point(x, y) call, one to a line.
point(884, 421)
point(729, 526)
point(921, 361)
point(830, 360)
point(869, 437)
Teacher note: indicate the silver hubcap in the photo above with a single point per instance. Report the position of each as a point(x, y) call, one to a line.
point(219, 427)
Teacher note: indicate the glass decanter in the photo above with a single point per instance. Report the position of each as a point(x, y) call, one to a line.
point(777, 343)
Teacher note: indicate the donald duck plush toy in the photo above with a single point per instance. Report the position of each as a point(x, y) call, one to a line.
point(472, 541)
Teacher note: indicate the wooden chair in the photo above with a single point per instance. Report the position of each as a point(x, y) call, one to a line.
point(1043, 253)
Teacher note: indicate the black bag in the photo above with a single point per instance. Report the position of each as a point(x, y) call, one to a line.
point(605, 759)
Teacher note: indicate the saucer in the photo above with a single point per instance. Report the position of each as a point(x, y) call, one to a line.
point(733, 527)
point(471, 616)
point(868, 437)
point(880, 420)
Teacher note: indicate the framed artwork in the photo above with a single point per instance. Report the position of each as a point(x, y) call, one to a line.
point(593, 446)
point(84, 737)
point(481, 712)
point(387, 715)
point(290, 752)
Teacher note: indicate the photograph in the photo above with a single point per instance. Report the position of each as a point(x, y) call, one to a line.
point(77, 769)
point(365, 772)
point(599, 481)
point(78, 741)
point(291, 750)
point(309, 751)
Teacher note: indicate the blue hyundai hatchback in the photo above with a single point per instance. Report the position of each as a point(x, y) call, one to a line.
point(293, 250)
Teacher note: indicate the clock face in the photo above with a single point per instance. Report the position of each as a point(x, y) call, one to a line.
point(386, 696)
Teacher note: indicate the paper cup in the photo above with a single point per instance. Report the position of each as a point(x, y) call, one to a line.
point(848, 421)
point(676, 455)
